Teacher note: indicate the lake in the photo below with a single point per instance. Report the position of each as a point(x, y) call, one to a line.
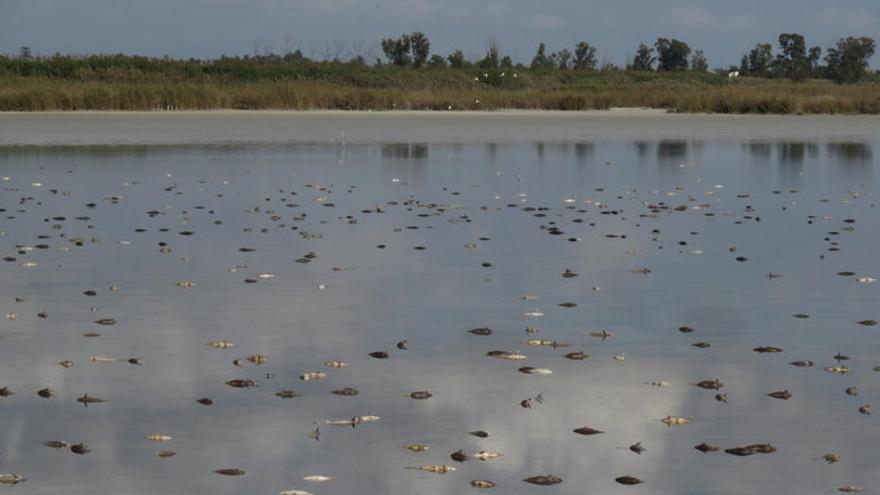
point(304, 238)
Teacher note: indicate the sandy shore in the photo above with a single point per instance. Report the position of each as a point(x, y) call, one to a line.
point(230, 127)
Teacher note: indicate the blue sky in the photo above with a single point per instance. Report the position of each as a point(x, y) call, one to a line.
point(208, 28)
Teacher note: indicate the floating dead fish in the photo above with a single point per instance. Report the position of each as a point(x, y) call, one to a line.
point(435, 468)
point(230, 472)
point(758, 448)
point(513, 356)
point(701, 345)
point(101, 359)
point(288, 394)
point(782, 394)
point(644, 270)
point(402, 345)
point(866, 409)
point(106, 321)
point(65, 363)
point(710, 384)
point(459, 456)
point(486, 456)
point(544, 480)
point(347, 391)
point(577, 355)
point(841, 357)
point(45, 393)
point(335, 364)
point(56, 444)
point(421, 394)
point(529, 370)
point(239, 383)
point(866, 280)
point(379, 355)
point(317, 478)
point(91, 334)
point(257, 359)
point(158, 437)
point(482, 484)
point(586, 430)
point(804, 363)
point(221, 344)
point(6, 392)
point(356, 420)
point(604, 334)
point(867, 323)
point(800, 316)
point(837, 369)
point(205, 401)
point(628, 480)
point(852, 392)
point(851, 489)
point(312, 375)
point(569, 274)
point(80, 448)
point(831, 458)
point(685, 329)
point(660, 383)
point(166, 453)
point(706, 448)
point(483, 331)
point(85, 399)
point(11, 478)
point(479, 433)
point(534, 314)
point(765, 349)
point(266, 276)
point(637, 448)
point(568, 305)
point(674, 420)
point(721, 398)
point(186, 284)
point(416, 447)
point(619, 357)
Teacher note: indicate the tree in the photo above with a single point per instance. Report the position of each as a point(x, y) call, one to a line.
point(506, 62)
point(490, 61)
point(644, 59)
point(397, 51)
point(563, 59)
point(584, 56)
point(848, 61)
point(437, 62)
point(759, 60)
point(699, 62)
point(794, 62)
point(673, 54)
point(421, 47)
point(456, 59)
point(541, 60)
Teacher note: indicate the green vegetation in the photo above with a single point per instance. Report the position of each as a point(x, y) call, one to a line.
point(791, 82)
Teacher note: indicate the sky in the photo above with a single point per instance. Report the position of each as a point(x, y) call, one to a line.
point(724, 30)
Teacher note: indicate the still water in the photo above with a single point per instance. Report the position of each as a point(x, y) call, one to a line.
point(652, 226)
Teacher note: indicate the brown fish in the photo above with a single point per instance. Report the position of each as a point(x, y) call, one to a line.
point(782, 394)
point(459, 456)
point(544, 480)
point(230, 472)
point(347, 391)
point(379, 355)
point(288, 394)
point(706, 448)
point(577, 355)
point(867, 323)
point(586, 430)
point(768, 348)
point(628, 480)
point(482, 484)
point(80, 448)
point(481, 331)
point(421, 394)
point(241, 383)
point(804, 363)
point(710, 384)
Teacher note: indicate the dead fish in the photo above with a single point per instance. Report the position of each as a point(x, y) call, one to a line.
point(660, 383)
point(852, 392)
point(637, 448)
point(238, 383)
point(513, 356)
point(312, 375)
point(644, 270)
point(347, 391)
point(483, 331)
point(866, 409)
point(831, 458)
point(569, 274)
point(317, 478)
point(568, 305)
point(335, 364)
point(166, 453)
point(685, 329)
point(764, 349)
point(577, 356)
point(158, 437)
point(534, 314)
point(435, 468)
point(402, 345)
point(86, 400)
point(288, 394)
point(65, 363)
point(221, 344)
point(866, 280)
point(186, 284)
point(837, 369)
point(782, 394)
point(106, 321)
point(379, 355)
point(80, 448)
point(541, 342)
point(674, 420)
point(421, 394)
point(701, 345)
point(529, 370)
point(867, 323)
point(45, 393)
point(136, 360)
point(628, 480)
point(257, 359)
point(101, 359)
point(846, 274)
point(295, 492)
point(841, 357)
point(486, 456)
point(710, 384)
point(205, 401)
point(544, 480)
point(482, 484)
point(706, 448)
point(586, 430)
point(801, 316)
point(604, 334)
point(758, 448)
point(11, 478)
point(721, 398)
point(804, 363)
point(417, 447)
point(56, 444)
point(459, 456)
point(851, 489)
point(230, 472)
point(479, 433)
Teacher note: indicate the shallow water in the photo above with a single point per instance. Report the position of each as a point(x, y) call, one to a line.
point(440, 196)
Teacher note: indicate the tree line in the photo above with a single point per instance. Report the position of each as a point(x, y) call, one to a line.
point(845, 62)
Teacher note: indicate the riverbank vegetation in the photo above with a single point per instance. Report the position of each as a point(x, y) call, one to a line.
point(668, 75)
